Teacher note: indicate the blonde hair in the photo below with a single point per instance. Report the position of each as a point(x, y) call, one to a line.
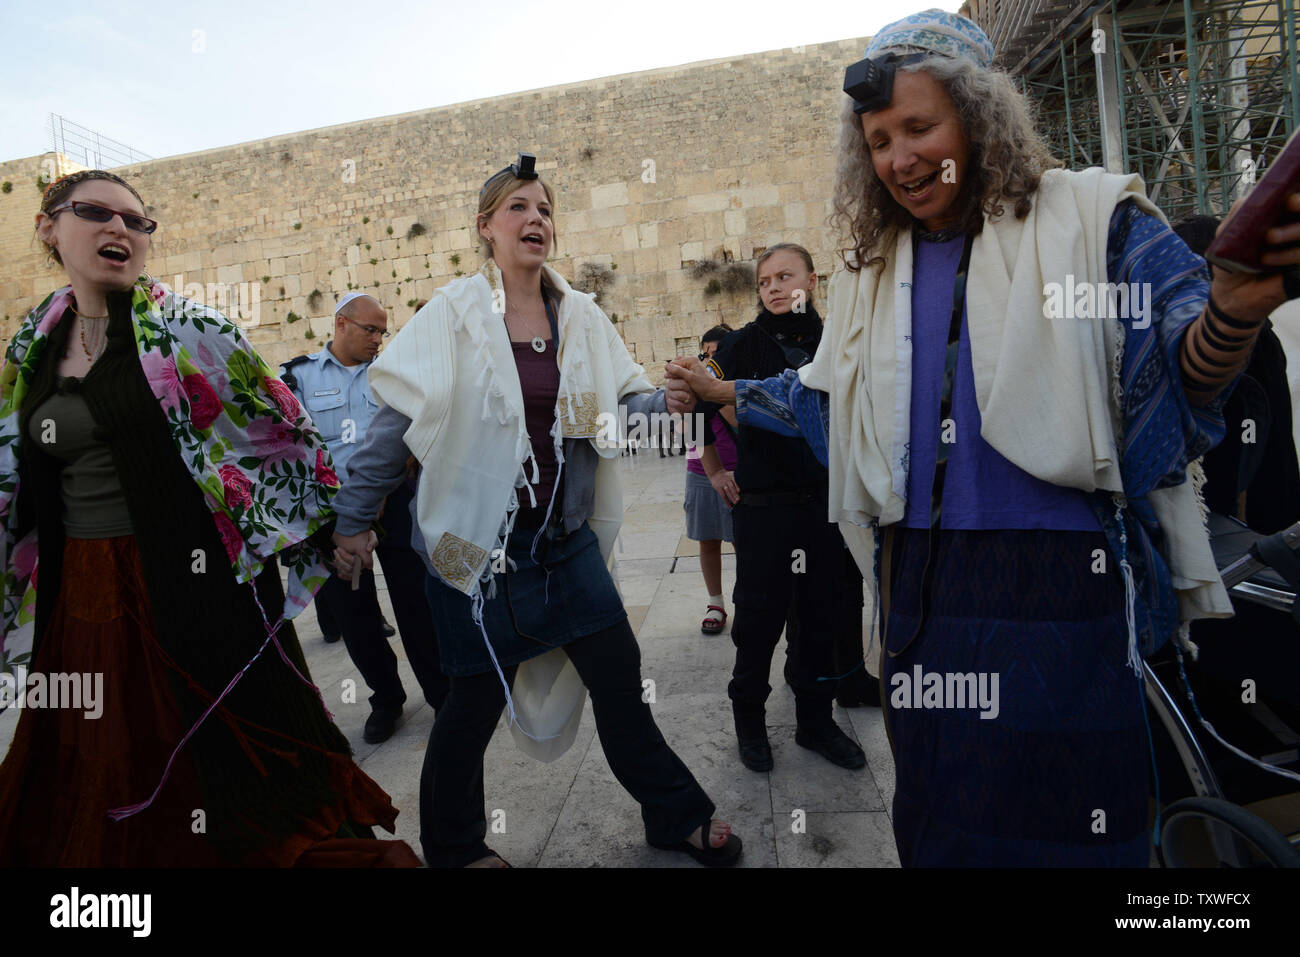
point(771, 251)
point(1007, 159)
point(494, 194)
point(491, 197)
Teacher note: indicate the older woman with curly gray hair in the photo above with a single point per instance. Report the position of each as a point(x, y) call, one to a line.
point(1022, 367)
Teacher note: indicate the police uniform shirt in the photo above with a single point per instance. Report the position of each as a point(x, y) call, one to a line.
point(338, 399)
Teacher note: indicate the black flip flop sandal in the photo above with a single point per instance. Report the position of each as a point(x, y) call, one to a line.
point(725, 856)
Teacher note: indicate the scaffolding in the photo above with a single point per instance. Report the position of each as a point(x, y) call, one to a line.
point(1197, 97)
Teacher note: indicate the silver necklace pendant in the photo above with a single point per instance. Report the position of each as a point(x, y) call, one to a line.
point(539, 344)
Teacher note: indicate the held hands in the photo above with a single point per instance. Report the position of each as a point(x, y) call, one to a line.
point(1251, 298)
point(350, 549)
point(677, 386)
point(688, 380)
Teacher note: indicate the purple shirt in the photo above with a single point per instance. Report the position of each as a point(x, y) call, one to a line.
point(982, 490)
point(539, 380)
point(723, 442)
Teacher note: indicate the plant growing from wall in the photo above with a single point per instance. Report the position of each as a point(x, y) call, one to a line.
point(6, 187)
point(416, 230)
point(595, 278)
point(364, 220)
point(455, 259)
point(390, 230)
point(314, 300)
point(292, 318)
point(724, 276)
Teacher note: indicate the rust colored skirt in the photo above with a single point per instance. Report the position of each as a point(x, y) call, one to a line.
point(66, 770)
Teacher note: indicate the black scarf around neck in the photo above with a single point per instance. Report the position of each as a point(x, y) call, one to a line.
point(791, 328)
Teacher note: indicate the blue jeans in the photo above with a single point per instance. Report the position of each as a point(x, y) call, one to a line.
point(453, 825)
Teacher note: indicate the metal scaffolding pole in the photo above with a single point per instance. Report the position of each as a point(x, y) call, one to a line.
point(1194, 91)
point(1112, 121)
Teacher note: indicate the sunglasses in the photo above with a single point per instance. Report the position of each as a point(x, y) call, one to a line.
point(368, 330)
point(102, 214)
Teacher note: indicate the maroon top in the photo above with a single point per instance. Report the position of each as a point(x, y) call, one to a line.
point(539, 379)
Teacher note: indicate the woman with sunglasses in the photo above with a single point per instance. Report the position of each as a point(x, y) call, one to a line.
point(1029, 467)
point(503, 388)
point(151, 468)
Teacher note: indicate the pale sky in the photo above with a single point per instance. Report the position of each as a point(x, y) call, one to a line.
point(168, 78)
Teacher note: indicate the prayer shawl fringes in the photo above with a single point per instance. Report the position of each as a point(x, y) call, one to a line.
point(1130, 591)
point(1196, 475)
point(1184, 639)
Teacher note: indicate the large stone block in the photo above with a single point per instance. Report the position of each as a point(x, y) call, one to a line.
point(610, 194)
point(708, 202)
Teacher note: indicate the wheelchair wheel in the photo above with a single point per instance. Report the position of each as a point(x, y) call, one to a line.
point(1208, 832)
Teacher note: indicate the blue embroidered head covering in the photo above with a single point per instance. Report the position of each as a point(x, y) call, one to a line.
point(934, 31)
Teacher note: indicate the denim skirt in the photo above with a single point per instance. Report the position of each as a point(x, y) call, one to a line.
point(708, 518)
point(552, 595)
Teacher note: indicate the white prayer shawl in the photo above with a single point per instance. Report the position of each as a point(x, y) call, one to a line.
point(1047, 389)
point(451, 371)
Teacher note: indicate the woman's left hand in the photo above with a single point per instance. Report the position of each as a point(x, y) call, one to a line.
point(1252, 298)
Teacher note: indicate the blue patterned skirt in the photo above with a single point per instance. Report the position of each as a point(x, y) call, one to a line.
point(1049, 765)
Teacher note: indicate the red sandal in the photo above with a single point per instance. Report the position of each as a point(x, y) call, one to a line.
point(712, 624)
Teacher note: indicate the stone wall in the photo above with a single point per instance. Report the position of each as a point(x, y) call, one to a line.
point(654, 172)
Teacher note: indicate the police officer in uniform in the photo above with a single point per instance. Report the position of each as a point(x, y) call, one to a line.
point(333, 386)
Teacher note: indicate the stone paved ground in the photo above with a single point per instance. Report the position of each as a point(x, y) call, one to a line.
point(573, 813)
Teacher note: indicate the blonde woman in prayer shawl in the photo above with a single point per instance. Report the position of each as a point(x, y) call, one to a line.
point(1020, 470)
point(503, 388)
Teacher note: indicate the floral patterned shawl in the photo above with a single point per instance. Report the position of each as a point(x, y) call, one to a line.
point(263, 469)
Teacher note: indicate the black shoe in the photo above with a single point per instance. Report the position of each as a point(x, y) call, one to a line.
point(833, 745)
point(751, 736)
point(388, 629)
point(858, 690)
point(330, 638)
point(755, 753)
point(381, 724)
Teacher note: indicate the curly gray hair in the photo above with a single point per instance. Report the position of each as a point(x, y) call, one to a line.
point(1007, 159)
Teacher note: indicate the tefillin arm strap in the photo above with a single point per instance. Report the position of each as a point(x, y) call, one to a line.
point(941, 453)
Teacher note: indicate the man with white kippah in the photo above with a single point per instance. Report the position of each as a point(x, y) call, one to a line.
point(334, 387)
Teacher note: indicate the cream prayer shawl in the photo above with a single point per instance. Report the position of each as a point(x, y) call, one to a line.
point(450, 370)
point(1047, 390)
